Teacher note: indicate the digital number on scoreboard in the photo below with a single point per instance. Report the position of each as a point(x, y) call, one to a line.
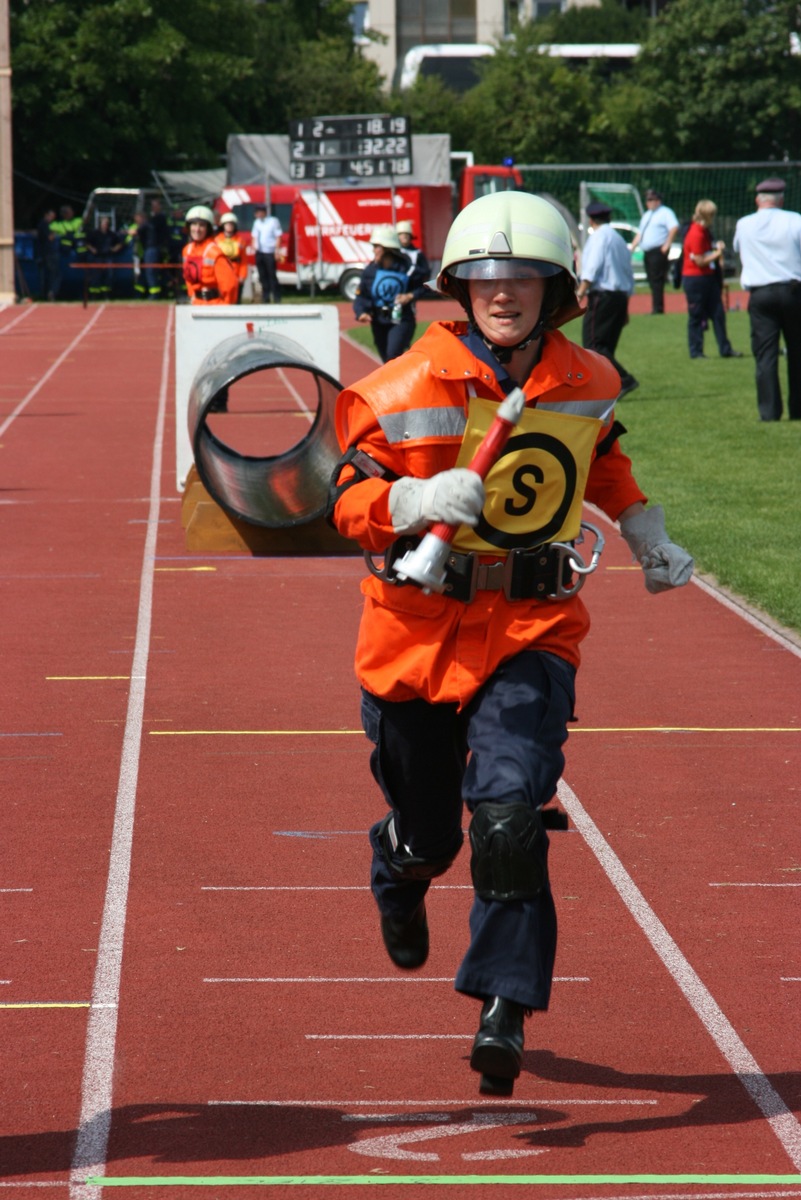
point(337, 147)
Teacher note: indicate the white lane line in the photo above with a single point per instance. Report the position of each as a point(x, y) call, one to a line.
point(367, 979)
point(759, 885)
point(528, 1103)
point(362, 887)
point(389, 1037)
point(735, 604)
point(354, 345)
point(101, 1035)
point(12, 891)
point(781, 1120)
point(16, 321)
point(49, 372)
point(742, 610)
point(305, 411)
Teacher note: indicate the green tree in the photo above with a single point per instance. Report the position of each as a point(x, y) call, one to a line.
point(327, 76)
point(717, 81)
point(432, 107)
point(530, 106)
point(609, 21)
point(106, 90)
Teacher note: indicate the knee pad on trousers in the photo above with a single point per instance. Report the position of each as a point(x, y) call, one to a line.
point(510, 852)
point(400, 860)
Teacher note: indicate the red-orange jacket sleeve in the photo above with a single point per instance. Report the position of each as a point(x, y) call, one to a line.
point(611, 485)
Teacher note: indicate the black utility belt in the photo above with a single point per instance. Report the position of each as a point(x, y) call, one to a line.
point(551, 571)
point(209, 294)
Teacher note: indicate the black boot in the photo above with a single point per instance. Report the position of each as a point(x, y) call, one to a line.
point(498, 1047)
point(407, 941)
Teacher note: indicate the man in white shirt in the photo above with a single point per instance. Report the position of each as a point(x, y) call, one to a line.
point(769, 244)
point(266, 234)
point(658, 228)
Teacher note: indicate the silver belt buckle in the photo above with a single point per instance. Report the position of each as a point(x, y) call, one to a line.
point(490, 576)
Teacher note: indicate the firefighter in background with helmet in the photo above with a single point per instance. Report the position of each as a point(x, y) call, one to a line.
point(233, 246)
point(467, 694)
point(208, 275)
point(386, 295)
point(405, 232)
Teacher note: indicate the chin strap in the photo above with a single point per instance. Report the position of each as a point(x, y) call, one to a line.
point(504, 353)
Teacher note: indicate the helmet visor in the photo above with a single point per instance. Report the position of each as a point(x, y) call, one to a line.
point(504, 268)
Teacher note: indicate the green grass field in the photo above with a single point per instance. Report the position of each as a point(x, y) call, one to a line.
point(730, 483)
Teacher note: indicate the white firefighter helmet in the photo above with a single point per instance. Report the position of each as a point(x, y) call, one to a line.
point(200, 213)
point(385, 235)
point(405, 227)
point(505, 234)
point(228, 218)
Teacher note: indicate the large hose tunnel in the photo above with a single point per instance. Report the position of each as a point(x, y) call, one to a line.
point(277, 491)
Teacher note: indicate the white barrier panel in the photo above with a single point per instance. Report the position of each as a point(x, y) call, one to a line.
point(198, 328)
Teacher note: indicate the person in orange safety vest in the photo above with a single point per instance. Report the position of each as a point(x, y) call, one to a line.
point(208, 275)
point(233, 246)
point(468, 680)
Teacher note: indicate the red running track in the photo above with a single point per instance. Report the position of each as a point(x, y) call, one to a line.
point(192, 984)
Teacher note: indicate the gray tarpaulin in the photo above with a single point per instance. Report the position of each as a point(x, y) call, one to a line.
point(191, 186)
point(252, 157)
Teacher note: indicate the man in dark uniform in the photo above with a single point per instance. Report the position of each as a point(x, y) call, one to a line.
point(607, 280)
point(769, 244)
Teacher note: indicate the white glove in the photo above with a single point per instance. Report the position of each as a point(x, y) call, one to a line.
point(455, 497)
point(664, 563)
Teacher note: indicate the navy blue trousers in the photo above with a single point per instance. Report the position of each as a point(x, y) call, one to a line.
point(705, 304)
point(393, 340)
point(432, 760)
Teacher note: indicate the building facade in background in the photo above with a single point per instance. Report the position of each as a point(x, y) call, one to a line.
point(408, 23)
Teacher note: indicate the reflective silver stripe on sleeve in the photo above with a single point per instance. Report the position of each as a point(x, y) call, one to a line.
point(422, 423)
point(601, 410)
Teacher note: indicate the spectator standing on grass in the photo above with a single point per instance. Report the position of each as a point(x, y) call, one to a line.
point(387, 290)
point(769, 244)
point(134, 240)
point(71, 240)
point(48, 256)
point(702, 281)
point(468, 689)
point(266, 236)
point(154, 235)
point(607, 280)
point(102, 244)
point(656, 234)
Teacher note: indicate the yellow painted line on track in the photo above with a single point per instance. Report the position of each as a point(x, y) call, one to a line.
point(162, 569)
point(360, 732)
point(50, 1004)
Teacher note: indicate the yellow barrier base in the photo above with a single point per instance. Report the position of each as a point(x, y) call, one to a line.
point(208, 527)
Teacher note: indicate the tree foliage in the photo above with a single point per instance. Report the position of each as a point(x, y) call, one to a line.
point(718, 81)
point(106, 90)
point(609, 21)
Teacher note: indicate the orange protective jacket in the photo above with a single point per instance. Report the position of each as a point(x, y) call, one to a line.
point(234, 250)
point(207, 269)
point(412, 645)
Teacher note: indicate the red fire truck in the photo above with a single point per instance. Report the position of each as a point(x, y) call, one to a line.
point(326, 240)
